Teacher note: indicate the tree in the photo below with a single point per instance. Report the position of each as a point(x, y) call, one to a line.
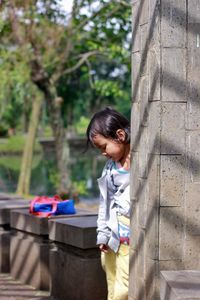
point(56, 46)
point(25, 173)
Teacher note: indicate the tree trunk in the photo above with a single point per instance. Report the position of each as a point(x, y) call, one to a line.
point(61, 144)
point(25, 172)
point(54, 107)
point(25, 119)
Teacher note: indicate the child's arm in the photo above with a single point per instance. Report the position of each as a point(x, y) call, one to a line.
point(103, 232)
point(103, 248)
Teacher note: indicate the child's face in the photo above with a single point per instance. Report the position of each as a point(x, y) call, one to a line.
point(115, 150)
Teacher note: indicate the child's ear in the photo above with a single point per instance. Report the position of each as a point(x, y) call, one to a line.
point(120, 133)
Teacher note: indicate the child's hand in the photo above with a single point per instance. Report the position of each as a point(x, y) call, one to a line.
point(103, 248)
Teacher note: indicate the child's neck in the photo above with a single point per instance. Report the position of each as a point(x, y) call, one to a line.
point(126, 159)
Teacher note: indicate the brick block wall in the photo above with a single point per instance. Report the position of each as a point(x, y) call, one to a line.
point(165, 142)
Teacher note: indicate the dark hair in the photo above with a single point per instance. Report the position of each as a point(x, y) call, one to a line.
point(106, 122)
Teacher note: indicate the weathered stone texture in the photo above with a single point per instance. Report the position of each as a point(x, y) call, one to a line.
point(144, 12)
point(193, 11)
point(144, 101)
point(133, 178)
point(173, 24)
point(193, 75)
point(135, 26)
point(172, 180)
point(152, 241)
point(142, 203)
point(144, 37)
point(154, 9)
point(29, 260)
point(165, 142)
point(180, 285)
point(143, 154)
point(171, 233)
point(154, 127)
point(144, 46)
point(172, 264)
point(153, 180)
point(192, 253)
point(7, 205)
point(152, 279)
point(79, 232)
point(154, 56)
point(4, 250)
point(136, 128)
point(193, 209)
point(141, 255)
point(193, 156)
point(132, 272)
point(174, 75)
point(76, 276)
point(136, 72)
point(154, 74)
point(173, 128)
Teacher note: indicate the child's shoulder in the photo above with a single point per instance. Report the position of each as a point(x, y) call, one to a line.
point(109, 164)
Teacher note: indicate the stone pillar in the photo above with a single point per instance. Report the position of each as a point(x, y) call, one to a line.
point(7, 204)
point(75, 262)
point(165, 142)
point(29, 249)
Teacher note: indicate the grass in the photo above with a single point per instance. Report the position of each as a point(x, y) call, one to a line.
point(14, 162)
point(15, 144)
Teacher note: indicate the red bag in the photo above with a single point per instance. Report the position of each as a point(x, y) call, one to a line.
point(45, 206)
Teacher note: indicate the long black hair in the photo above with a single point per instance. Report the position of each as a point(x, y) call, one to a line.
point(106, 122)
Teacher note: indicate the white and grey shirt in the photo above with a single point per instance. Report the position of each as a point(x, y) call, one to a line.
point(114, 186)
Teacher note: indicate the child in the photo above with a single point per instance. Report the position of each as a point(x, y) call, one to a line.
point(109, 131)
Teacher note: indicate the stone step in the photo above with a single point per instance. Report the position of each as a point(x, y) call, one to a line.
point(180, 285)
point(11, 289)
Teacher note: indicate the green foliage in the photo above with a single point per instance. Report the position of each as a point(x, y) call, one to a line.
point(47, 131)
point(14, 163)
point(81, 125)
point(16, 144)
point(54, 177)
point(84, 56)
point(16, 88)
point(107, 88)
point(80, 188)
point(46, 31)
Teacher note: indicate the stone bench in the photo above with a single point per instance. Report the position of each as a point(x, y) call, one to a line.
point(180, 285)
point(6, 196)
point(36, 244)
point(22, 220)
point(75, 261)
point(7, 204)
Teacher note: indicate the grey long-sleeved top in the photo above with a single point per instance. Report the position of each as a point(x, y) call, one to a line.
point(114, 186)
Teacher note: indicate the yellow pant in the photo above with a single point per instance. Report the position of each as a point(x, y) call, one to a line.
point(116, 266)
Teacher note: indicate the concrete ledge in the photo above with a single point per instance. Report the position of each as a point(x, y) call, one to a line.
point(4, 250)
point(77, 276)
point(78, 232)
point(29, 260)
point(5, 196)
point(22, 220)
point(6, 206)
point(15, 289)
point(181, 285)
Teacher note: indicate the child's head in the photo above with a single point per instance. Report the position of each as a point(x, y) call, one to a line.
point(109, 131)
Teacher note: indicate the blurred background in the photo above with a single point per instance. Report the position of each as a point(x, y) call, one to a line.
point(60, 62)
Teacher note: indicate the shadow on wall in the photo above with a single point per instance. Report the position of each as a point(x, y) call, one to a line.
point(171, 82)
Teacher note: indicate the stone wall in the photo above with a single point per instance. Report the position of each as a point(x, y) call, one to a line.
point(56, 255)
point(165, 143)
